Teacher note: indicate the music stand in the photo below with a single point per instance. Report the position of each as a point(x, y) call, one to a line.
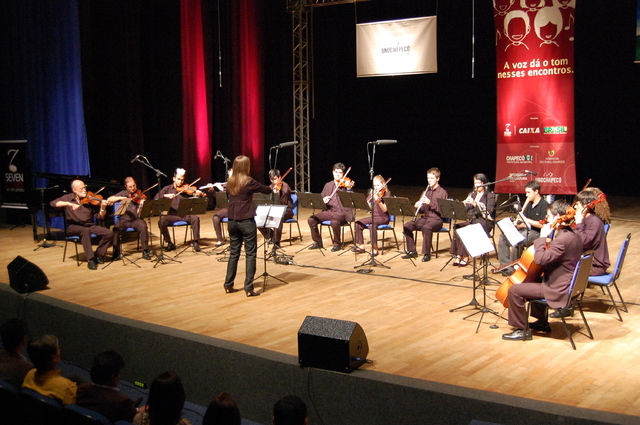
point(454, 211)
point(358, 201)
point(45, 221)
point(315, 202)
point(353, 201)
point(157, 208)
point(401, 207)
point(191, 206)
point(477, 244)
point(122, 209)
point(268, 217)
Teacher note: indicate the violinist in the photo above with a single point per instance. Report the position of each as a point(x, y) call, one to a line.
point(428, 218)
point(131, 218)
point(335, 212)
point(380, 215)
point(81, 209)
point(534, 210)
point(591, 216)
point(177, 191)
point(480, 205)
point(283, 191)
point(242, 224)
point(557, 250)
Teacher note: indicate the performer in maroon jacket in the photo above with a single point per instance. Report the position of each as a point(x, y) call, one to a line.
point(130, 218)
point(427, 219)
point(590, 227)
point(380, 215)
point(335, 212)
point(242, 224)
point(558, 256)
point(176, 192)
point(81, 221)
point(284, 198)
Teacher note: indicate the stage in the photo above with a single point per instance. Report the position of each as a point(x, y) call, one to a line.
point(415, 341)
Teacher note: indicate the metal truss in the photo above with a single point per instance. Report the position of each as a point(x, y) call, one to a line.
point(301, 98)
point(300, 12)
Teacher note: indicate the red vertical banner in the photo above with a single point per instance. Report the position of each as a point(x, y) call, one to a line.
point(249, 114)
point(535, 92)
point(197, 143)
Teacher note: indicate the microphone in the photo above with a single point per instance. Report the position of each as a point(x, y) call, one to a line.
point(531, 172)
point(286, 144)
point(134, 159)
point(383, 142)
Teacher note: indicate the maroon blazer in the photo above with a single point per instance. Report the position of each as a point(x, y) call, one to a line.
point(559, 260)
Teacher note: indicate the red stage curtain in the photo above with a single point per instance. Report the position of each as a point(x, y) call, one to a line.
point(197, 143)
point(249, 116)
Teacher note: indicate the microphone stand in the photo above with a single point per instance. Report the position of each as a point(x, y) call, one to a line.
point(159, 175)
point(371, 262)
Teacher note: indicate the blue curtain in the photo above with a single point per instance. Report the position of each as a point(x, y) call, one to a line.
point(41, 83)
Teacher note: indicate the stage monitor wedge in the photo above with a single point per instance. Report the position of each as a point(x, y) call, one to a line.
point(331, 344)
point(26, 277)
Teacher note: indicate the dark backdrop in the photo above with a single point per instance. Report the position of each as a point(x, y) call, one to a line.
point(132, 88)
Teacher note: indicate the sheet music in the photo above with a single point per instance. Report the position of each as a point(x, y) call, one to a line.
point(510, 232)
point(270, 216)
point(475, 240)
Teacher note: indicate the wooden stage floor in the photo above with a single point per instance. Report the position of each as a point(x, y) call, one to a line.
point(404, 311)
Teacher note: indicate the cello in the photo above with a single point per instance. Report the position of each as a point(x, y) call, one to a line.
point(528, 270)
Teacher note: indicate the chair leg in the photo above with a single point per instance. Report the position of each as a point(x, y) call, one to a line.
point(615, 305)
point(624, 306)
point(566, 328)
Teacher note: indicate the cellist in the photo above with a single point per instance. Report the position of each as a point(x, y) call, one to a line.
point(557, 250)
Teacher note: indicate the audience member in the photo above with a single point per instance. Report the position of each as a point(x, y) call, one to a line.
point(13, 365)
point(46, 378)
point(290, 410)
point(103, 395)
point(165, 403)
point(222, 410)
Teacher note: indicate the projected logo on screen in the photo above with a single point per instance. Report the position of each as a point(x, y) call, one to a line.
point(406, 46)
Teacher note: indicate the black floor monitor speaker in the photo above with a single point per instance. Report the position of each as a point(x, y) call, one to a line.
point(331, 344)
point(25, 277)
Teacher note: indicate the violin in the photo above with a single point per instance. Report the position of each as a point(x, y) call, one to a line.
point(380, 192)
point(347, 183)
point(92, 199)
point(139, 195)
point(190, 189)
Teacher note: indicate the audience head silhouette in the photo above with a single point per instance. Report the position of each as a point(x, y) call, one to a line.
point(14, 335)
point(222, 410)
point(290, 410)
point(166, 399)
point(44, 352)
point(106, 368)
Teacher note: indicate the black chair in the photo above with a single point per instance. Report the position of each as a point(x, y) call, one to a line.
point(576, 293)
point(73, 414)
point(9, 403)
point(38, 409)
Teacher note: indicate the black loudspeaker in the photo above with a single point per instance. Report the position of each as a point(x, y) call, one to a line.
point(25, 277)
point(331, 344)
